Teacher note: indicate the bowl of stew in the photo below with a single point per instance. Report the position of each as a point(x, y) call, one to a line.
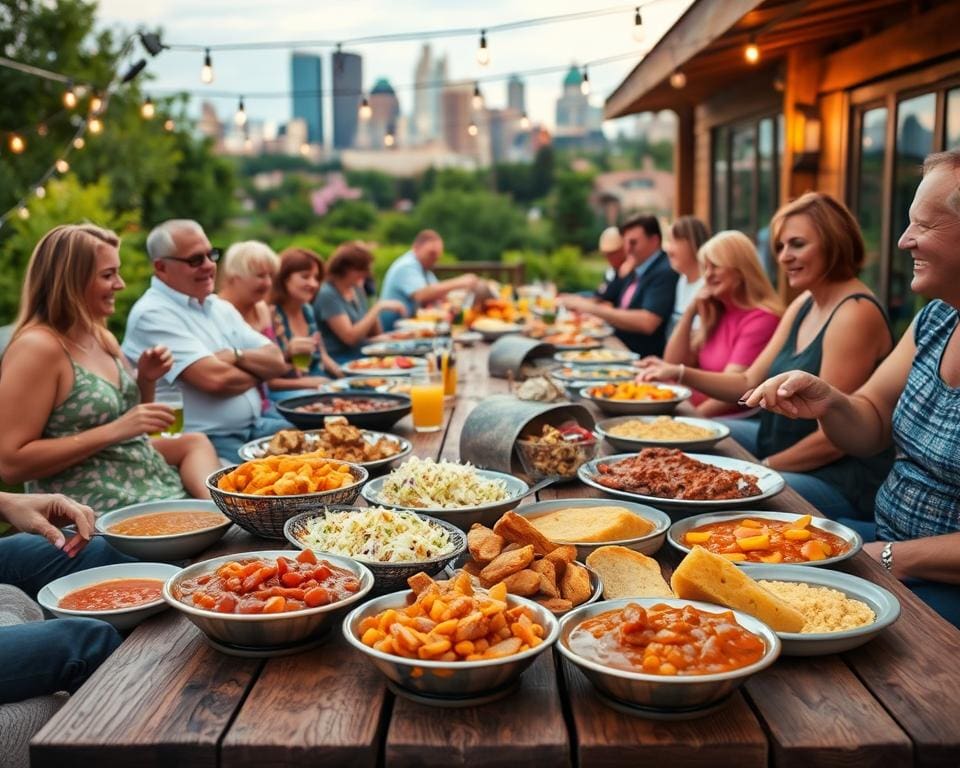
point(123, 594)
point(363, 409)
point(164, 530)
point(712, 650)
point(270, 600)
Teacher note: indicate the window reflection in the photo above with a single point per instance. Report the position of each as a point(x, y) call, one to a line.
point(743, 166)
point(721, 161)
point(953, 119)
point(873, 141)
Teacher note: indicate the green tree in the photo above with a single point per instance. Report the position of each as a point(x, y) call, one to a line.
point(379, 188)
point(357, 215)
point(475, 225)
point(574, 222)
point(542, 174)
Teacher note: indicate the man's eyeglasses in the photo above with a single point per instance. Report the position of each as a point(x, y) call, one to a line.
point(196, 260)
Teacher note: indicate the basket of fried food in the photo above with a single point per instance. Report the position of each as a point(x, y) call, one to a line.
point(450, 643)
point(516, 553)
point(261, 495)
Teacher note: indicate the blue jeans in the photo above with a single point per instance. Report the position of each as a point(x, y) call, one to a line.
point(43, 657)
point(827, 499)
point(228, 444)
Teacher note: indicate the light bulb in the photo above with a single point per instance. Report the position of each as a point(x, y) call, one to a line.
point(206, 71)
point(240, 117)
point(17, 144)
point(169, 125)
point(585, 83)
point(40, 192)
point(638, 33)
point(79, 143)
point(96, 104)
point(69, 97)
point(148, 110)
point(388, 140)
point(366, 111)
point(678, 80)
point(751, 53)
point(95, 125)
point(472, 129)
point(304, 149)
point(42, 129)
point(477, 97)
point(525, 122)
point(62, 166)
point(483, 54)
point(23, 212)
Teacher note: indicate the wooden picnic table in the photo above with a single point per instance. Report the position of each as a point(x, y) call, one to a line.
point(166, 698)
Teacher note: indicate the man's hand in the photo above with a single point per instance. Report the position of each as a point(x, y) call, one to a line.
point(154, 363)
point(43, 513)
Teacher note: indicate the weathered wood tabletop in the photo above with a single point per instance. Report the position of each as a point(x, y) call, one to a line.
point(165, 698)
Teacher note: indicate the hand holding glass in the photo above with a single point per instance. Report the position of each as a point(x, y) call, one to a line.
point(173, 399)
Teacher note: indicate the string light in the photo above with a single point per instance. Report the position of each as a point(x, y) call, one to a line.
point(169, 125)
point(477, 97)
point(69, 96)
point(17, 144)
point(79, 143)
point(23, 212)
point(678, 80)
point(524, 122)
point(206, 71)
point(40, 192)
point(638, 33)
point(96, 104)
point(240, 118)
point(751, 53)
point(95, 125)
point(483, 55)
point(42, 129)
point(585, 83)
point(148, 110)
point(62, 166)
point(388, 139)
point(366, 111)
point(472, 129)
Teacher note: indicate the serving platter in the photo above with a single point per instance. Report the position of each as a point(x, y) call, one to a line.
point(355, 367)
point(769, 481)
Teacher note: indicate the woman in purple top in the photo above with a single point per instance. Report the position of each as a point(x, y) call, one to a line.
point(738, 311)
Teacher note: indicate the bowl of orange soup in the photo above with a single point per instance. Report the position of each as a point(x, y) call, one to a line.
point(164, 530)
point(123, 594)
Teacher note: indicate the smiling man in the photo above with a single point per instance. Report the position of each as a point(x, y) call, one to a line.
point(218, 360)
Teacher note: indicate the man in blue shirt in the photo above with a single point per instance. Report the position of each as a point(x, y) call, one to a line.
point(410, 281)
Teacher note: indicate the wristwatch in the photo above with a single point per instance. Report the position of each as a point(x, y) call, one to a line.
point(886, 556)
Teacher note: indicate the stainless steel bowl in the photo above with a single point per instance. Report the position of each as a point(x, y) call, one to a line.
point(447, 680)
point(647, 544)
point(274, 630)
point(635, 407)
point(659, 694)
point(174, 546)
point(257, 449)
point(720, 431)
point(387, 576)
point(462, 517)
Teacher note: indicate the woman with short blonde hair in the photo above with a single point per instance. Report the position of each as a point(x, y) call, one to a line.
point(245, 279)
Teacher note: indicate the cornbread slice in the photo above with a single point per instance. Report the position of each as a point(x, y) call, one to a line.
point(591, 524)
point(626, 573)
point(705, 576)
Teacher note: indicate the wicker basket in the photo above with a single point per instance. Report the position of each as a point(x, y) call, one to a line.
point(266, 515)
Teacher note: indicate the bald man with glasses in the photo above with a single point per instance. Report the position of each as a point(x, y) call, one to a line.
point(219, 361)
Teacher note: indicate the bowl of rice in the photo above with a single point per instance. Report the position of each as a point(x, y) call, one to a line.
point(631, 433)
point(457, 493)
point(393, 544)
point(841, 611)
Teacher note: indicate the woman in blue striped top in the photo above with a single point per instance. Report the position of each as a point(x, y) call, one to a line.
point(913, 400)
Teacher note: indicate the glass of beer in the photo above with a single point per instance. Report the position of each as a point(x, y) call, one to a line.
point(172, 397)
point(426, 400)
point(301, 361)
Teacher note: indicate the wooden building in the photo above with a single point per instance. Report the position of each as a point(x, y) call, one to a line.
point(842, 96)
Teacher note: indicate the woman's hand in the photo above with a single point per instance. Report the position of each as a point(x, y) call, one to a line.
point(391, 305)
point(575, 303)
point(154, 363)
point(302, 345)
point(652, 368)
point(43, 513)
point(145, 418)
point(795, 394)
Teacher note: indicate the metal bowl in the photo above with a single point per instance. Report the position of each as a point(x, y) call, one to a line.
point(592, 357)
point(122, 618)
point(174, 546)
point(679, 530)
point(882, 602)
point(399, 406)
point(256, 449)
point(387, 576)
point(266, 515)
point(647, 544)
point(634, 407)
point(446, 682)
point(264, 630)
point(658, 694)
point(720, 431)
point(462, 517)
point(592, 375)
point(405, 347)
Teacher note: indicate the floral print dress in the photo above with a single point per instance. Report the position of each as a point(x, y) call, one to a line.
point(120, 474)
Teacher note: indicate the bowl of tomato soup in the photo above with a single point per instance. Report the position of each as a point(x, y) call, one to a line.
point(164, 530)
point(271, 600)
point(123, 594)
point(665, 657)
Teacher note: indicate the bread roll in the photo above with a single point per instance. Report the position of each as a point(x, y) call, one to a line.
point(626, 573)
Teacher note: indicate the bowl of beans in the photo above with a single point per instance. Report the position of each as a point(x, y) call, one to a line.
point(164, 530)
point(362, 409)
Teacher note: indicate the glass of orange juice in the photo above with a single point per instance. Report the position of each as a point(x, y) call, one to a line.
point(426, 400)
point(443, 347)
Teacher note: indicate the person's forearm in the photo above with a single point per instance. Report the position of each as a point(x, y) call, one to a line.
point(728, 386)
point(262, 363)
point(853, 425)
point(935, 558)
point(634, 320)
point(148, 390)
point(812, 452)
point(712, 407)
point(679, 349)
point(430, 293)
point(356, 332)
point(46, 457)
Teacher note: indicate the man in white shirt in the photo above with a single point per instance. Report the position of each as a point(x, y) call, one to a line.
point(218, 360)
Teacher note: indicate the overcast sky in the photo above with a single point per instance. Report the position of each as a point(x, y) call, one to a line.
point(555, 44)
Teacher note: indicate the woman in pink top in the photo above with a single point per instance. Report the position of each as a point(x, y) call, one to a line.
point(738, 309)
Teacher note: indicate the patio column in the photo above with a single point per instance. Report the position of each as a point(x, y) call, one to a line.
point(683, 160)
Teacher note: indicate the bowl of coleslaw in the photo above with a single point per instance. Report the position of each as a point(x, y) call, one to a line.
point(393, 544)
point(457, 493)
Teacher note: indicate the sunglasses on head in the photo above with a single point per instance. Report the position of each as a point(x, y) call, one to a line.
point(196, 260)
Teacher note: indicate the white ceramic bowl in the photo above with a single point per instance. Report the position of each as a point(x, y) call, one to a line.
point(174, 546)
point(122, 618)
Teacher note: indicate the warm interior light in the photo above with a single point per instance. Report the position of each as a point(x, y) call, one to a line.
point(751, 53)
point(678, 80)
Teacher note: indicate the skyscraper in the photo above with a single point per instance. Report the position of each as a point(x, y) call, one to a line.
point(457, 116)
point(347, 87)
point(306, 70)
point(385, 110)
point(516, 99)
point(573, 107)
point(429, 77)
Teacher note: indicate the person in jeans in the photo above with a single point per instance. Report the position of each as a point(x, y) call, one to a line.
point(218, 359)
point(43, 657)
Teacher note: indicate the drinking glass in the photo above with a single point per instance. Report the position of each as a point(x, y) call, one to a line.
point(426, 400)
point(302, 361)
point(173, 398)
point(444, 350)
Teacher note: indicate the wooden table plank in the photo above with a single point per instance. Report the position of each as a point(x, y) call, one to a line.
point(525, 728)
point(324, 707)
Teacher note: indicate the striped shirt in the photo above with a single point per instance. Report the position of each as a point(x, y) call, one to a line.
point(921, 496)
